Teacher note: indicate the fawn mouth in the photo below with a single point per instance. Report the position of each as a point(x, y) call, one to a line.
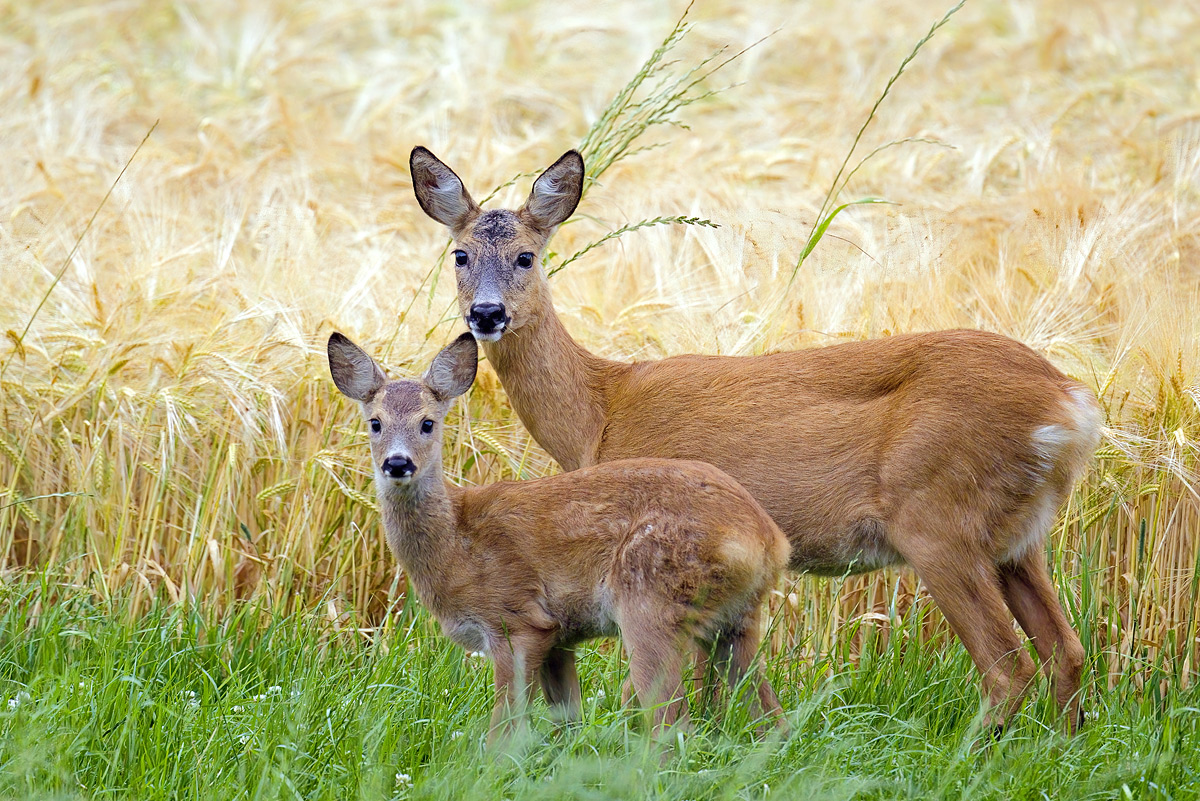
point(399, 486)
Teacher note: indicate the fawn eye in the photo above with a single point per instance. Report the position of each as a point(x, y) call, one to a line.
point(426, 426)
point(376, 426)
point(525, 260)
point(460, 258)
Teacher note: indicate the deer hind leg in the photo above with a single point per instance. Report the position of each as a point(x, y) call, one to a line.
point(654, 641)
point(967, 590)
point(560, 685)
point(1034, 601)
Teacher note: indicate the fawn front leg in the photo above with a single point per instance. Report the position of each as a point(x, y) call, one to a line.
point(560, 684)
point(508, 709)
point(517, 662)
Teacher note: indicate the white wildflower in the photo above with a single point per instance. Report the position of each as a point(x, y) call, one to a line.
point(454, 735)
point(403, 780)
point(237, 709)
point(274, 689)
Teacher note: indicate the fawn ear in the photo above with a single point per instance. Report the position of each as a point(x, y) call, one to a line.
point(355, 373)
point(555, 193)
point(453, 370)
point(439, 191)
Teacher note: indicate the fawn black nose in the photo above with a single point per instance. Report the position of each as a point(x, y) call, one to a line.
point(398, 467)
point(488, 317)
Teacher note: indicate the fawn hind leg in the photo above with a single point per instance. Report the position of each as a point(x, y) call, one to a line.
point(655, 644)
point(737, 651)
point(1034, 602)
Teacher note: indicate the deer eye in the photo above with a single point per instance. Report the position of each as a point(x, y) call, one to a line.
point(525, 260)
point(460, 258)
point(426, 426)
point(376, 426)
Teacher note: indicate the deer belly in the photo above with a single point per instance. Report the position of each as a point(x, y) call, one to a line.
point(859, 548)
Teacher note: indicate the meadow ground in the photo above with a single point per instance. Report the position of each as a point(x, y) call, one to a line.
point(186, 519)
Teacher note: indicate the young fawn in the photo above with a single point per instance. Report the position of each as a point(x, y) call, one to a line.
point(950, 451)
point(670, 554)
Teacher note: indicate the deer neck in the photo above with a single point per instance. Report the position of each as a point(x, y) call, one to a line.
point(559, 390)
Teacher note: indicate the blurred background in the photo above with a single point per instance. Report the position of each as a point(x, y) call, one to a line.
point(170, 432)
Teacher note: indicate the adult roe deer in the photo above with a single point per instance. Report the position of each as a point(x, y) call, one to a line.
point(664, 551)
point(951, 451)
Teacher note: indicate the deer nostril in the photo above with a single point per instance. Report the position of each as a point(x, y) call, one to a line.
point(488, 316)
point(398, 467)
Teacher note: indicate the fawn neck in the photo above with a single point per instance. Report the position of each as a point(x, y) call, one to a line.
point(559, 390)
point(419, 521)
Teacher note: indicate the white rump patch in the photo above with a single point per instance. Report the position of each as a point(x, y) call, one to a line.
point(1049, 443)
point(1063, 449)
point(1088, 419)
point(1070, 446)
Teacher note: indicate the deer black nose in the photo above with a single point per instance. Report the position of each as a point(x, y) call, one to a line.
point(488, 317)
point(398, 467)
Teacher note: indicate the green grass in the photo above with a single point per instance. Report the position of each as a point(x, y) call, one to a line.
point(175, 705)
point(219, 548)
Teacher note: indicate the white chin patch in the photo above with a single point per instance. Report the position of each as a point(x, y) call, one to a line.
point(491, 336)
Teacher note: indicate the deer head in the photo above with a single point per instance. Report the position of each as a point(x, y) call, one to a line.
point(497, 253)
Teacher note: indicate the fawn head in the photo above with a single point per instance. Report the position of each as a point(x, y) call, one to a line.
point(497, 253)
point(404, 418)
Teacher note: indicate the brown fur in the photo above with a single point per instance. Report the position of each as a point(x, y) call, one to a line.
point(950, 451)
point(669, 553)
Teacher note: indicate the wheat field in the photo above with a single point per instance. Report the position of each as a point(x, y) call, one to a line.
point(171, 435)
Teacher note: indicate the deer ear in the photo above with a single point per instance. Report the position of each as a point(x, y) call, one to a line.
point(439, 191)
point(355, 373)
point(453, 370)
point(555, 193)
